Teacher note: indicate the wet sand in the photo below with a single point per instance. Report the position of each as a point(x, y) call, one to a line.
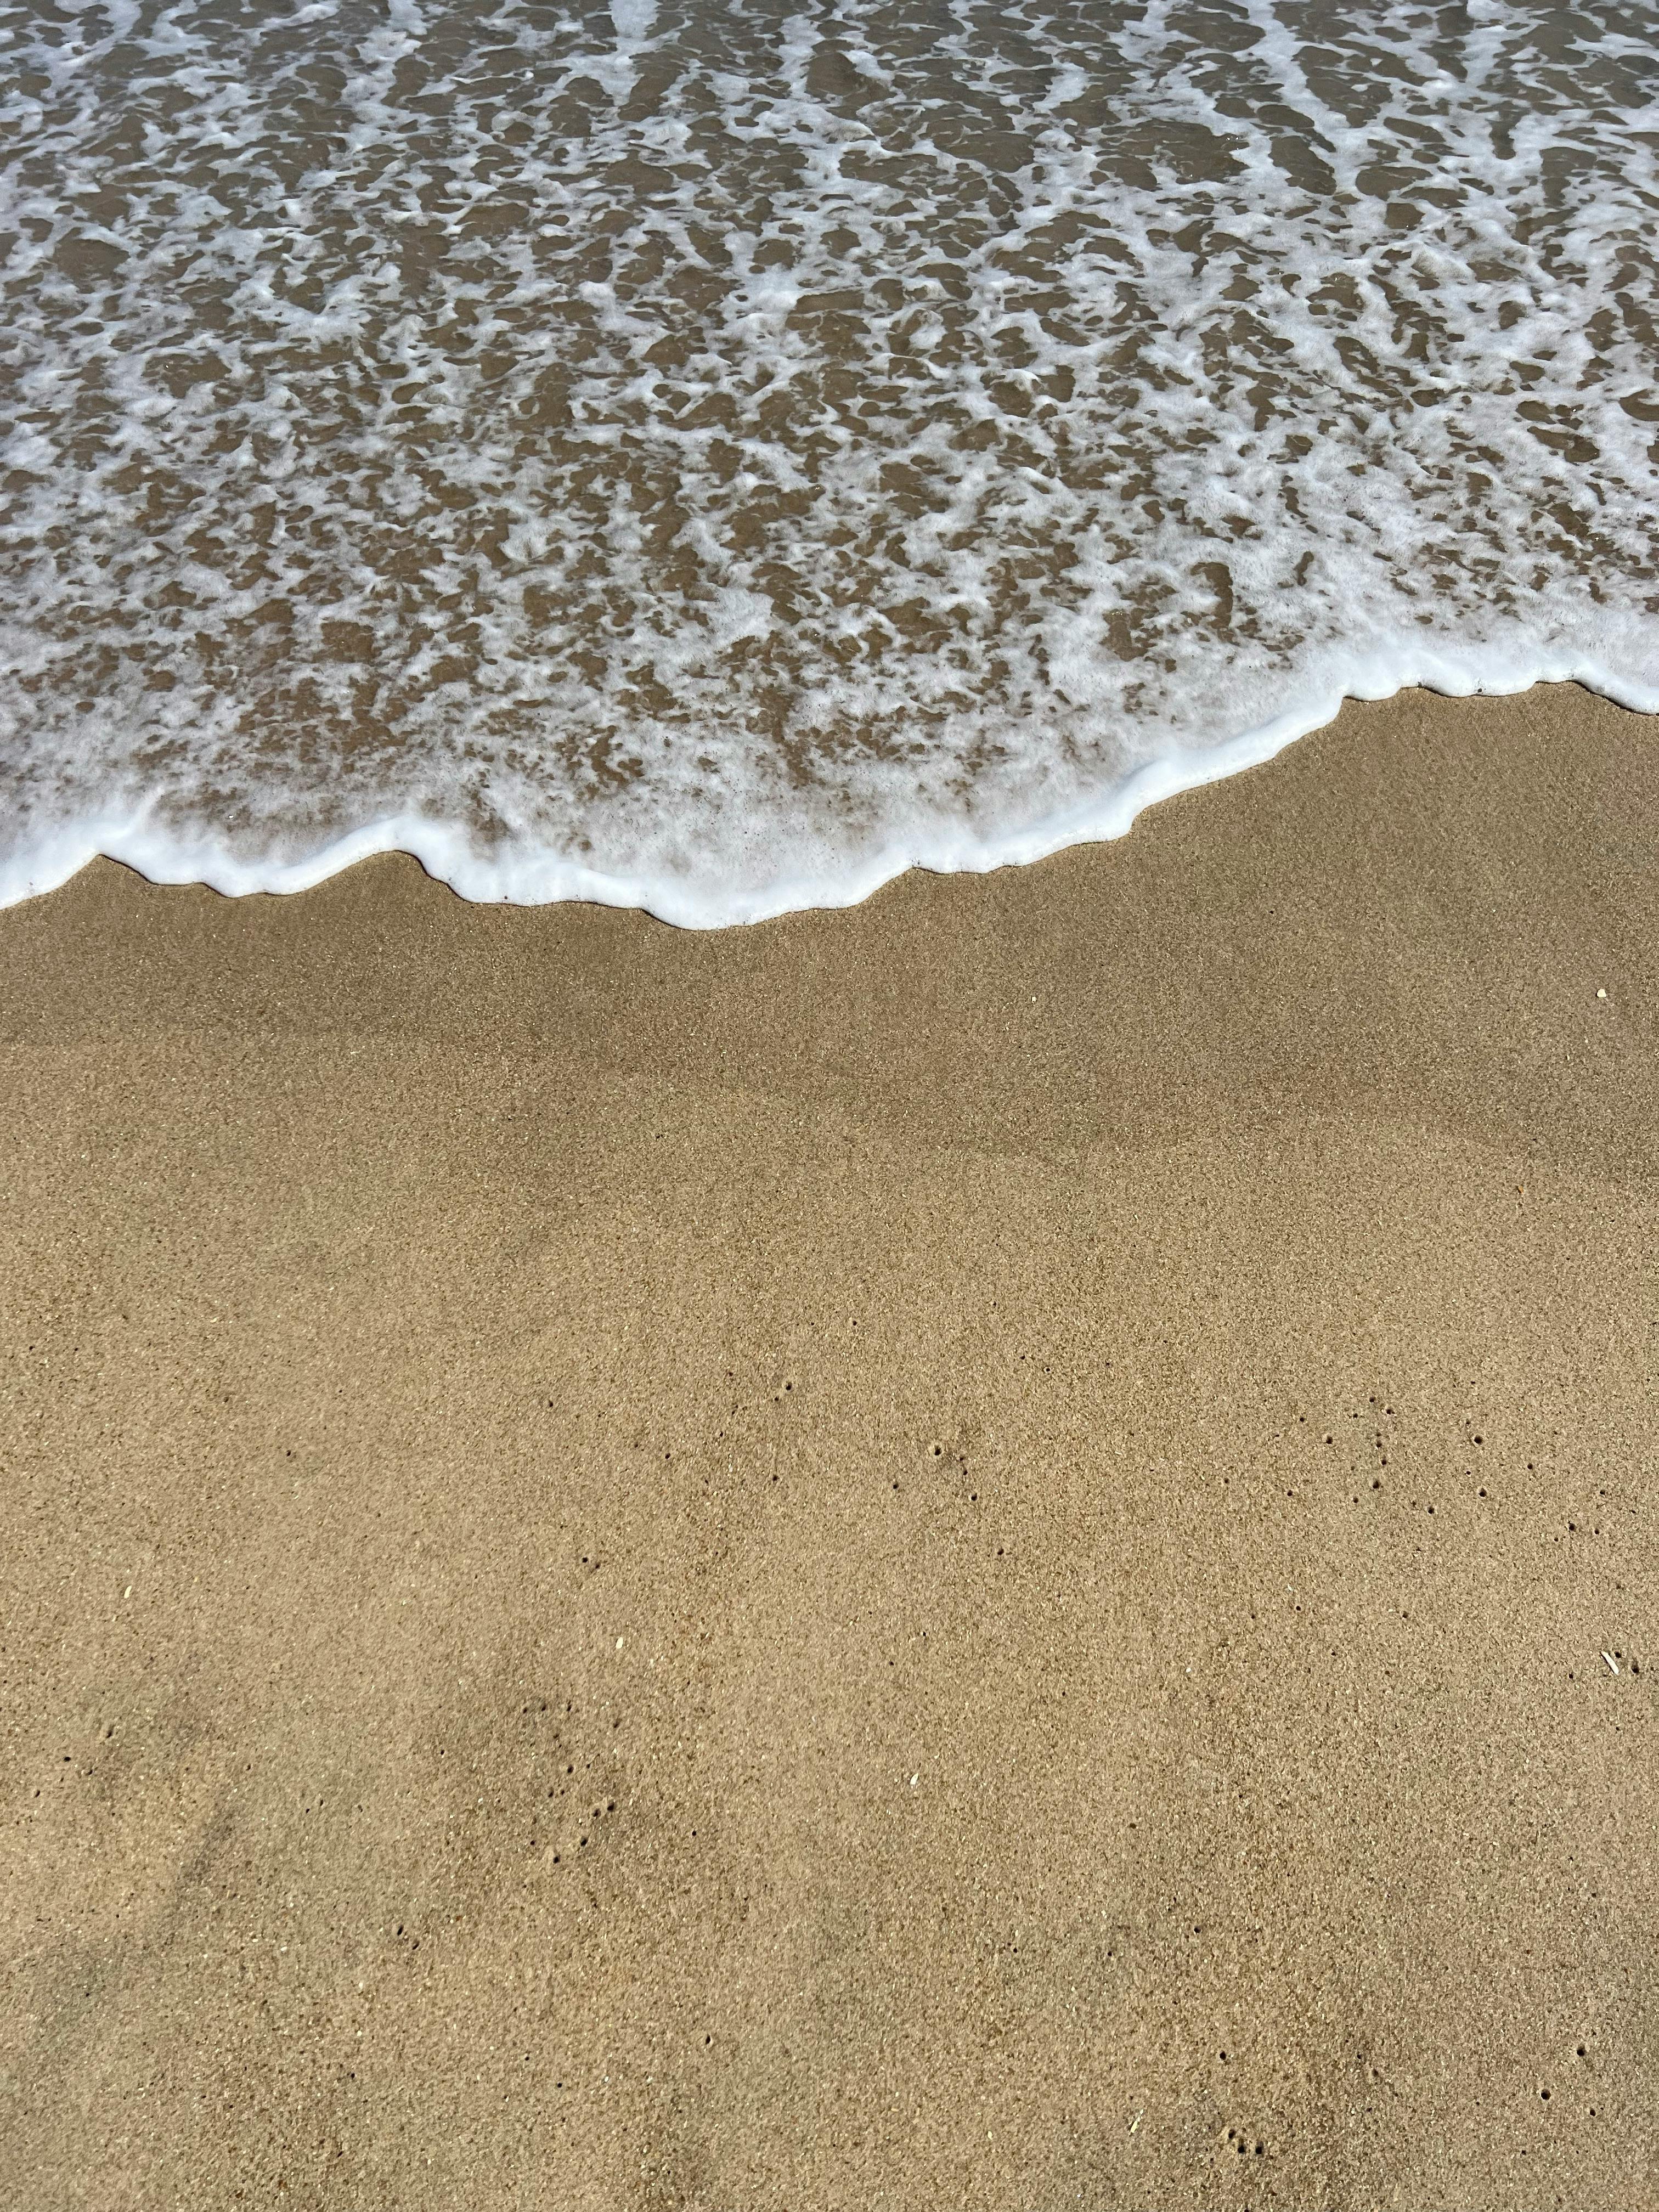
point(969, 1552)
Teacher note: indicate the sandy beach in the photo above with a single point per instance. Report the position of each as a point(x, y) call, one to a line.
point(994, 1550)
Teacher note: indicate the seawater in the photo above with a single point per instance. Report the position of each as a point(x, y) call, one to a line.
point(712, 456)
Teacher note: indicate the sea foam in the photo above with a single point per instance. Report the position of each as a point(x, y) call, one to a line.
point(711, 458)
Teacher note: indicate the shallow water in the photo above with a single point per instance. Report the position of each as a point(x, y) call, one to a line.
point(710, 457)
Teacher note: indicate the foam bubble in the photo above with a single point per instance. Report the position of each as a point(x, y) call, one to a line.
point(710, 459)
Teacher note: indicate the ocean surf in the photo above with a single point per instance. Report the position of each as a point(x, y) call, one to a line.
point(711, 459)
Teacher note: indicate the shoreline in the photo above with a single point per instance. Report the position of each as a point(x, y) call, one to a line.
point(543, 877)
point(992, 1546)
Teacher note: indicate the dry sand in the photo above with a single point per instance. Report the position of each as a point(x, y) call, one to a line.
point(954, 1554)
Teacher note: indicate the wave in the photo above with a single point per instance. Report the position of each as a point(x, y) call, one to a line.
point(712, 459)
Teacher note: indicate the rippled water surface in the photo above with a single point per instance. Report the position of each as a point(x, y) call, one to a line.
point(709, 455)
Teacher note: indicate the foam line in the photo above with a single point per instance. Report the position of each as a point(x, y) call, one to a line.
point(529, 878)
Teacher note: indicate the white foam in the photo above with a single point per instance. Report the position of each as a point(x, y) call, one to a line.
point(709, 460)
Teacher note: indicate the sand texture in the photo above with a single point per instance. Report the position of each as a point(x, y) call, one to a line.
point(958, 1553)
